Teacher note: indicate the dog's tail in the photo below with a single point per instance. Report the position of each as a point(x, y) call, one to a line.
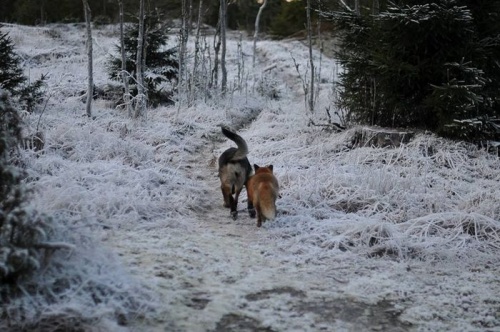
point(242, 150)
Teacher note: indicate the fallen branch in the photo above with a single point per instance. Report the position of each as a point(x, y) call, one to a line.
point(54, 245)
point(271, 67)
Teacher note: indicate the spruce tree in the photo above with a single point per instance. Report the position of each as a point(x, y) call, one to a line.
point(11, 73)
point(421, 64)
point(162, 65)
point(22, 231)
point(12, 78)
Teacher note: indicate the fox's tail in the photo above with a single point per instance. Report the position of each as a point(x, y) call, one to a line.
point(268, 211)
point(267, 202)
point(242, 151)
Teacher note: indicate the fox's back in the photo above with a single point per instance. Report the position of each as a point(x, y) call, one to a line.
point(265, 185)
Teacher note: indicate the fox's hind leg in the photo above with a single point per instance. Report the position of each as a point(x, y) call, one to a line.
point(259, 218)
point(259, 214)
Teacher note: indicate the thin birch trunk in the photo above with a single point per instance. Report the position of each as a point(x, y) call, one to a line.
point(256, 33)
point(375, 7)
point(345, 5)
point(141, 98)
point(125, 75)
point(42, 12)
point(214, 81)
point(223, 19)
point(184, 35)
point(90, 82)
point(241, 62)
point(311, 61)
point(196, 60)
point(320, 62)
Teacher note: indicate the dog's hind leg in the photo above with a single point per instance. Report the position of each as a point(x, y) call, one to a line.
point(228, 198)
point(234, 204)
point(250, 207)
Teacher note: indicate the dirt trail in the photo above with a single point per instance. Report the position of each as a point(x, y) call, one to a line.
point(217, 274)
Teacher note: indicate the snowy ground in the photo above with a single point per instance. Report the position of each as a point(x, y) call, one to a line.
point(367, 239)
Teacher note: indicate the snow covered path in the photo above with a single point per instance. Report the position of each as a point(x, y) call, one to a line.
point(224, 275)
point(216, 274)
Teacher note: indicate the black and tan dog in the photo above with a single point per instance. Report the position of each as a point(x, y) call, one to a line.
point(234, 171)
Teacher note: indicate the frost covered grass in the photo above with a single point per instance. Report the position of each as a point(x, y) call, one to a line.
point(428, 199)
point(138, 203)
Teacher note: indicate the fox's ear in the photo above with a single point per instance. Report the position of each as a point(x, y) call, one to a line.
point(256, 167)
point(270, 167)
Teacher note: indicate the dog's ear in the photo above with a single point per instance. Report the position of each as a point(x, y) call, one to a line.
point(256, 167)
point(270, 167)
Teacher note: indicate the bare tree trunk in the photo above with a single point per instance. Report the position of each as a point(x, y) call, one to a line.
point(189, 17)
point(42, 12)
point(357, 8)
point(124, 73)
point(241, 63)
point(311, 61)
point(194, 74)
point(184, 35)
point(256, 33)
point(318, 68)
point(376, 7)
point(90, 83)
point(345, 5)
point(214, 81)
point(183, 42)
point(140, 107)
point(223, 23)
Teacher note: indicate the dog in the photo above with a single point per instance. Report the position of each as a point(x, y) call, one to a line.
point(234, 172)
point(263, 190)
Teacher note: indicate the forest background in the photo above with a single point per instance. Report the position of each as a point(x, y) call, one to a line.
point(426, 209)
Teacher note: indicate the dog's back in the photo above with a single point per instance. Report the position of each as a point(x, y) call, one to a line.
point(263, 190)
point(234, 170)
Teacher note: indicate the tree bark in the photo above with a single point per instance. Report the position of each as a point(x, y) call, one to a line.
point(125, 75)
point(42, 12)
point(90, 82)
point(376, 7)
point(223, 23)
point(184, 35)
point(196, 60)
point(311, 60)
point(256, 33)
point(214, 80)
point(140, 107)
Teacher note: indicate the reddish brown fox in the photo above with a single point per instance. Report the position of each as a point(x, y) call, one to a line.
point(263, 190)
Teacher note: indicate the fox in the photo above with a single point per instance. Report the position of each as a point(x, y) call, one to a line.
point(263, 190)
point(234, 172)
